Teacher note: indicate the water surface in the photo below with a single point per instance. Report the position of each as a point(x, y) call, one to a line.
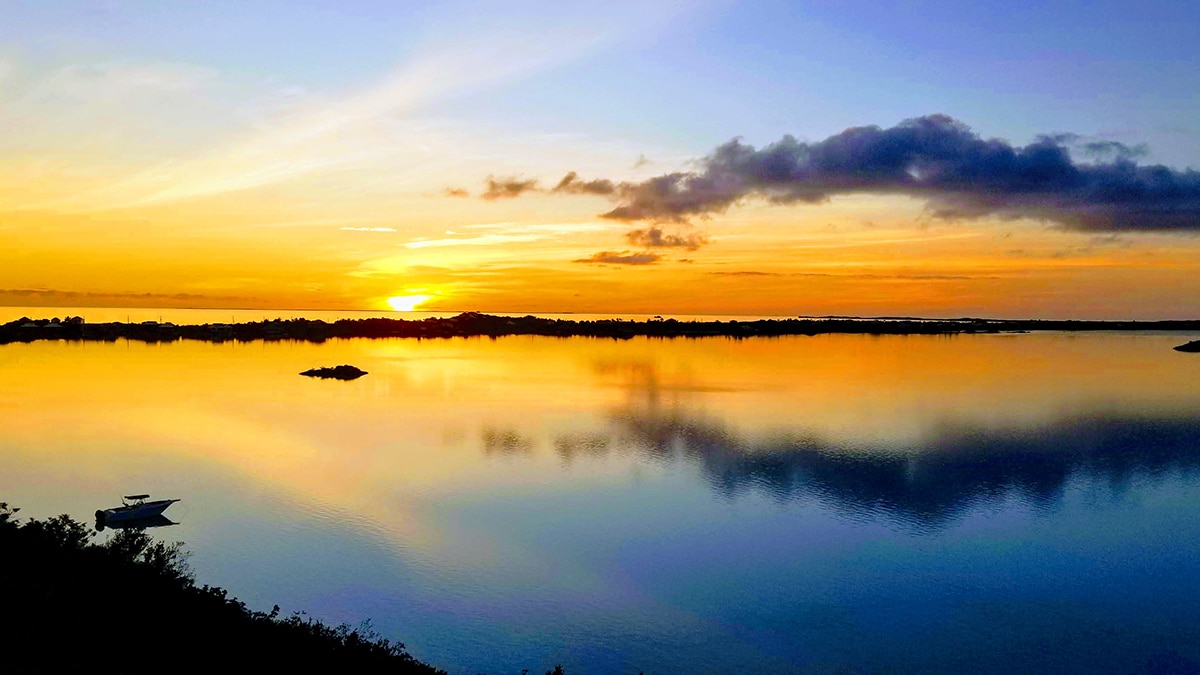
point(916, 504)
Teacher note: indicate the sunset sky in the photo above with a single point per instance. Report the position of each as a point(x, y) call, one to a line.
point(751, 158)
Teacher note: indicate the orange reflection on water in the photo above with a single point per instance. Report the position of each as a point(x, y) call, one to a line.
point(442, 417)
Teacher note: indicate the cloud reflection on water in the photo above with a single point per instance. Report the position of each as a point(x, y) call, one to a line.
point(960, 468)
point(505, 442)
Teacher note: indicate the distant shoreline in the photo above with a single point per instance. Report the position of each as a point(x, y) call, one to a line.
point(472, 324)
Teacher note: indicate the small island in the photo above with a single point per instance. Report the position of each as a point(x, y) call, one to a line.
point(1193, 346)
point(342, 372)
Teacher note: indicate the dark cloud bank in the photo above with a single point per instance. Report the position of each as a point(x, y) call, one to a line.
point(935, 158)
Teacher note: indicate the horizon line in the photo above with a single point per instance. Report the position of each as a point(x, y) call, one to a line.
point(522, 313)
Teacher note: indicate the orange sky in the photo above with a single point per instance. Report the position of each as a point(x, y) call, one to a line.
point(860, 256)
point(170, 178)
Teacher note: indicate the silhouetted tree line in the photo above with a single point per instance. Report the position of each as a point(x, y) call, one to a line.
point(130, 605)
point(473, 324)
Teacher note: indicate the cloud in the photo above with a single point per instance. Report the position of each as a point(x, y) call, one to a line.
point(55, 294)
point(52, 121)
point(571, 184)
point(505, 442)
point(459, 51)
point(746, 273)
point(368, 229)
point(622, 258)
point(918, 277)
point(960, 469)
point(481, 240)
point(456, 192)
point(654, 237)
point(940, 160)
point(507, 188)
point(6, 69)
point(84, 83)
point(1105, 149)
point(539, 228)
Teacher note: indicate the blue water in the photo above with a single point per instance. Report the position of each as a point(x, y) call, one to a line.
point(660, 506)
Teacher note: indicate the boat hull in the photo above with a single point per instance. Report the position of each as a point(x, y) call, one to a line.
point(137, 511)
point(136, 524)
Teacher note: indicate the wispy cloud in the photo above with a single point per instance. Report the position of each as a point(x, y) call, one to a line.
point(7, 68)
point(547, 228)
point(571, 184)
point(460, 57)
point(655, 237)
point(368, 229)
point(919, 239)
point(109, 105)
point(507, 188)
point(481, 240)
point(87, 83)
point(854, 275)
point(745, 273)
point(515, 186)
point(621, 258)
point(49, 294)
point(316, 222)
point(507, 233)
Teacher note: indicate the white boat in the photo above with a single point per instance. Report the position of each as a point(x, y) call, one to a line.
point(134, 507)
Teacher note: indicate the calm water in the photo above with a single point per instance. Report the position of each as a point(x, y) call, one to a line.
point(915, 504)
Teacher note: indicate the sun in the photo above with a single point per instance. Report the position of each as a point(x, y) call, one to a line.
point(406, 303)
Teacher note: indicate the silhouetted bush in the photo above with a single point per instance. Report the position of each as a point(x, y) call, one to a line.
point(474, 324)
point(130, 604)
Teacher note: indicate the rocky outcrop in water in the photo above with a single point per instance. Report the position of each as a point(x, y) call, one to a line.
point(342, 372)
point(1193, 346)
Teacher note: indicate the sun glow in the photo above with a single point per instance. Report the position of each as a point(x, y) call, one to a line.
point(407, 303)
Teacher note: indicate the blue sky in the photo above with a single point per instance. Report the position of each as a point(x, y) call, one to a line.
point(704, 73)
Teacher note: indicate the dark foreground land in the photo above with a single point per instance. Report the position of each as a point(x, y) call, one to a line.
point(472, 324)
point(129, 605)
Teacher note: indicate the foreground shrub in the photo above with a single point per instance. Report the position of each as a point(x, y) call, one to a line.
point(130, 604)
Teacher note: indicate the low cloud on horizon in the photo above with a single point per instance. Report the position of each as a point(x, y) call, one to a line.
point(621, 258)
point(56, 294)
